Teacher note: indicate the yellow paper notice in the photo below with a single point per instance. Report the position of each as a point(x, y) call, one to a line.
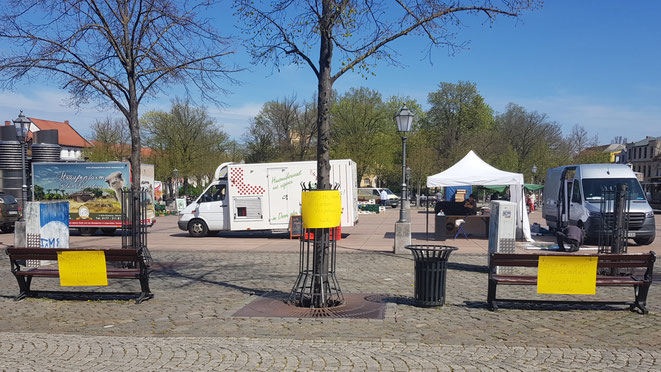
point(567, 275)
point(321, 209)
point(82, 268)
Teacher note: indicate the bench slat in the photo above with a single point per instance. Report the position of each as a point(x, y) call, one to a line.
point(50, 254)
point(114, 273)
point(601, 280)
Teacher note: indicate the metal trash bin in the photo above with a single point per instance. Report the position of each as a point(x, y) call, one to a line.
point(431, 264)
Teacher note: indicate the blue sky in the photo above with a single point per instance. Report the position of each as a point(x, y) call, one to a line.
point(593, 63)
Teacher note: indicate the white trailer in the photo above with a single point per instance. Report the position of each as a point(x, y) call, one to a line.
point(264, 196)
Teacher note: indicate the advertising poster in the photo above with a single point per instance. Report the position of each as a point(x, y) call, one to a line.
point(48, 222)
point(181, 204)
point(158, 190)
point(93, 190)
point(147, 182)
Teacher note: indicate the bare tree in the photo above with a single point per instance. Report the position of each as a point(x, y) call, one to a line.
point(116, 52)
point(359, 31)
point(110, 140)
point(620, 140)
point(289, 127)
point(579, 140)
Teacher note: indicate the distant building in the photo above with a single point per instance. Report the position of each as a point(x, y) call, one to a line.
point(615, 152)
point(70, 140)
point(368, 180)
point(645, 157)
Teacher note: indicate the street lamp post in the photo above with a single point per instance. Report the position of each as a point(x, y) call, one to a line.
point(21, 122)
point(404, 120)
point(175, 173)
point(534, 173)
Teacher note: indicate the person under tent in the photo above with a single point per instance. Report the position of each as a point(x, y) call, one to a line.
point(471, 205)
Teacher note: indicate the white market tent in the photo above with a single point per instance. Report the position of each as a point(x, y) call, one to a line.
point(471, 170)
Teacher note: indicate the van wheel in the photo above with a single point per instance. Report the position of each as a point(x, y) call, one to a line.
point(7, 228)
point(87, 231)
point(108, 232)
point(644, 241)
point(197, 228)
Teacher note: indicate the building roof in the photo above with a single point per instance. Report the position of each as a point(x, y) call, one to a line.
point(613, 147)
point(66, 134)
point(645, 141)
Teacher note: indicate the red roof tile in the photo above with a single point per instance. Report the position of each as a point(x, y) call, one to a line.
point(67, 135)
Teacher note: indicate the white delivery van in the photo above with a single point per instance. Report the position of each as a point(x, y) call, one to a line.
point(373, 193)
point(573, 196)
point(264, 196)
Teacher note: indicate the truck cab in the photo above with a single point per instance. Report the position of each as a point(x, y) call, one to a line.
point(209, 213)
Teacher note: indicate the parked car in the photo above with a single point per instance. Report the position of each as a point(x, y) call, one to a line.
point(11, 212)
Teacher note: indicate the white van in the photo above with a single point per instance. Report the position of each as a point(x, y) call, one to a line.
point(373, 193)
point(264, 196)
point(573, 195)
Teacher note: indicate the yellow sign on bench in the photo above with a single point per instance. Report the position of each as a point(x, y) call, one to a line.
point(82, 268)
point(567, 275)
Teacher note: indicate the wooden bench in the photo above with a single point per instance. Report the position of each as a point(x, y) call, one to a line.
point(136, 268)
point(639, 283)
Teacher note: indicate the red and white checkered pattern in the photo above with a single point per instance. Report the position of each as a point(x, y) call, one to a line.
point(236, 180)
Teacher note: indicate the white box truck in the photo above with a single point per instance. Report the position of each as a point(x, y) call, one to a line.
point(264, 196)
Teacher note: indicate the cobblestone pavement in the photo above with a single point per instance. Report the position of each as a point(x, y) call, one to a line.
point(189, 323)
point(99, 353)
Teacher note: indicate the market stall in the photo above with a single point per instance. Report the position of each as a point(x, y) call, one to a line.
point(471, 170)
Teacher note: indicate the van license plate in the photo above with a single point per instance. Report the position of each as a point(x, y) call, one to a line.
point(631, 234)
point(13, 212)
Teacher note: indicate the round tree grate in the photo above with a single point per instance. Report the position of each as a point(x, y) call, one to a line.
point(355, 306)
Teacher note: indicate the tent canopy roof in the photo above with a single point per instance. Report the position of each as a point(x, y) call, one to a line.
point(471, 170)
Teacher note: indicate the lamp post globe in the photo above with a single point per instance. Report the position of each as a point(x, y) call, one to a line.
point(534, 173)
point(24, 124)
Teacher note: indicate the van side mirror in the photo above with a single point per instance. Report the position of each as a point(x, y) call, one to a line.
point(648, 196)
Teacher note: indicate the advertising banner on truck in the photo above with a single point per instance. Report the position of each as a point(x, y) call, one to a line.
point(92, 189)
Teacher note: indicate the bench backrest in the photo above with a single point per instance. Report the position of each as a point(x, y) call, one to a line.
point(112, 255)
point(605, 260)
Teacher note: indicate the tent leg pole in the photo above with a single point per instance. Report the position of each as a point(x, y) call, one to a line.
point(427, 214)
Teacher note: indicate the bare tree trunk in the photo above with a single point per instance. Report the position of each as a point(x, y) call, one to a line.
point(134, 126)
point(324, 87)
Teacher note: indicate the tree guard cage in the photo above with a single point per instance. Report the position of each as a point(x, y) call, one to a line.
point(316, 285)
point(614, 215)
point(134, 221)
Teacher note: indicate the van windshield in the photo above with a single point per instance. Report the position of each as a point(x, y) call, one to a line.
point(389, 192)
point(592, 187)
